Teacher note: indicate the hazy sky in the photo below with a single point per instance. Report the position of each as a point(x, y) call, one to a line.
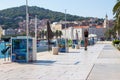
point(86, 8)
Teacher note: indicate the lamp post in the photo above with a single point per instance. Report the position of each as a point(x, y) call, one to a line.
point(27, 27)
point(36, 27)
point(35, 47)
point(65, 33)
point(27, 18)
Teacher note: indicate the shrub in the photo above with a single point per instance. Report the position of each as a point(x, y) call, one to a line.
point(116, 42)
point(70, 43)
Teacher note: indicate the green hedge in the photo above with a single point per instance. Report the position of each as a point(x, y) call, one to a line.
point(116, 42)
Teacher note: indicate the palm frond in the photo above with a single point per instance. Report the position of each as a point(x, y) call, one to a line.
point(116, 7)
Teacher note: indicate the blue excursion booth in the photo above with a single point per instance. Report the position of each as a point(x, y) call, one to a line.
point(19, 49)
point(62, 46)
point(74, 42)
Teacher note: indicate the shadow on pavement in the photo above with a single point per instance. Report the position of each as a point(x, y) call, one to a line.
point(44, 62)
point(74, 52)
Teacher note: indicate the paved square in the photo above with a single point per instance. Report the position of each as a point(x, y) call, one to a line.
point(100, 60)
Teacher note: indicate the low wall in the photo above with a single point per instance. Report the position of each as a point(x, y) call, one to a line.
point(104, 42)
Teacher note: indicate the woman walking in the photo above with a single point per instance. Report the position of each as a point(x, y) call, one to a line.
point(86, 38)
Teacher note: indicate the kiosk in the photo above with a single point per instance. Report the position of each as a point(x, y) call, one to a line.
point(19, 49)
point(62, 45)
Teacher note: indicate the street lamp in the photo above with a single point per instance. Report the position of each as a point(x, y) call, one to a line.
point(36, 27)
point(65, 33)
point(27, 18)
point(27, 27)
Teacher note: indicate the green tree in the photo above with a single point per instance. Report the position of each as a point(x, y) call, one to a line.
point(39, 34)
point(116, 9)
point(57, 33)
point(109, 33)
point(45, 34)
point(116, 12)
point(32, 34)
point(42, 34)
point(60, 34)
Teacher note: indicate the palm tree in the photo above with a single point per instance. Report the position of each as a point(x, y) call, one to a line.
point(116, 12)
point(116, 9)
point(57, 33)
point(45, 34)
point(109, 34)
point(60, 34)
point(42, 34)
point(118, 0)
point(39, 34)
point(32, 34)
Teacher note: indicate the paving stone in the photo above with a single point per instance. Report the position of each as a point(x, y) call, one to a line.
point(75, 65)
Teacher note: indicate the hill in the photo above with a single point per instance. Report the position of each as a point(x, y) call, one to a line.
point(10, 17)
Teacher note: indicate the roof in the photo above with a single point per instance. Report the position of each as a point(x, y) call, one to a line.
point(99, 26)
point(81, 27)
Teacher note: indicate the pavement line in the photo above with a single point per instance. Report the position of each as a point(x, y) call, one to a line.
point(100, 53)
point(90, 72)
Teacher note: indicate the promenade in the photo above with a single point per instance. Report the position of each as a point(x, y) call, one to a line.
point(99, 62)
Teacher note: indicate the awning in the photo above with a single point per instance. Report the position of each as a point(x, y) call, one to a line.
point(92, 35)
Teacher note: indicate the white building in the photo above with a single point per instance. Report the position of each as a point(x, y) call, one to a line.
point(71, 32)
point(97, 31)
point(10, 31)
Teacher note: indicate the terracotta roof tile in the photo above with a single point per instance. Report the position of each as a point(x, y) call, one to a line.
point(81, 26)
point(99, 26)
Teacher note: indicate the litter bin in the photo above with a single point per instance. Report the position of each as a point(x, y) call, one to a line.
point(73, 46)
point(55, 50)
point(77, 46)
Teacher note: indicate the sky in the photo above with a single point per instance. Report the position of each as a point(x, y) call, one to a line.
point(85, 8)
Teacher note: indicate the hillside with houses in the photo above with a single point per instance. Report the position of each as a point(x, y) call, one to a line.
point(13, 23)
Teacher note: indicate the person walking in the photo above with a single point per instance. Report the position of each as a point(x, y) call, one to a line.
point(86, 38)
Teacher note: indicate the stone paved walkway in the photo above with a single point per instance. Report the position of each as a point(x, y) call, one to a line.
point(99, 61)
point(107, 66)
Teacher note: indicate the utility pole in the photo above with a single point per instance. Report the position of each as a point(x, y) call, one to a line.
point(27, 21)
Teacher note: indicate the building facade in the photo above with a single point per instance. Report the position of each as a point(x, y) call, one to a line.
point(99, 31)
point(10, 32)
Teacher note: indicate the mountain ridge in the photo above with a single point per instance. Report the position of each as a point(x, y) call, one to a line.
point(10, 17)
